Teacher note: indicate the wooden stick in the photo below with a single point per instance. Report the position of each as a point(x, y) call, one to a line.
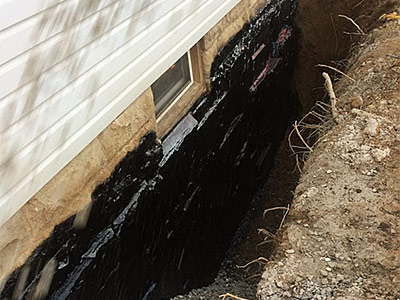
point(331, 92)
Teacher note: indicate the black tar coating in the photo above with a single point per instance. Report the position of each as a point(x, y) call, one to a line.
point(160, 227)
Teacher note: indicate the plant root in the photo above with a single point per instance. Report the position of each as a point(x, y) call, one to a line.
point(258, 260)
point(224, 296)
point(274, 208)
point(360, 31)
point(284, 217)
point(336, 70)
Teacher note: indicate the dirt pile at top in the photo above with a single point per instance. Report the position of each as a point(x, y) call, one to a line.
point(341, 239)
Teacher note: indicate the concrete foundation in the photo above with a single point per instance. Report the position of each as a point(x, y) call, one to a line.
point(70, 190)
point(161, 223)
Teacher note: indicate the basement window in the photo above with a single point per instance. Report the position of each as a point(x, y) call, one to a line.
point(176, 90)
point(172, 83)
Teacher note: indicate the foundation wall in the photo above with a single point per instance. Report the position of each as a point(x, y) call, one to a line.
point(161, 223)
point(70, 68)
point(70, 190)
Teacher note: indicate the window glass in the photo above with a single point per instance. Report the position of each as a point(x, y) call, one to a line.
point(171, 83)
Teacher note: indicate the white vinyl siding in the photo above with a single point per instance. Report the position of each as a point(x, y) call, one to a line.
point(68, 68)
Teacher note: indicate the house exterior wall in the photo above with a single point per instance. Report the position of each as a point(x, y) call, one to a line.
point(161, 223)
point(69, 68)
point(85, 146)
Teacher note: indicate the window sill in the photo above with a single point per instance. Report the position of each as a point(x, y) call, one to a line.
point(177, 109)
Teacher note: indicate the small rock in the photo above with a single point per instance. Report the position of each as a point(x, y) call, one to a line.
point(379, 154)
point(282, 285)
point(327, 259)
point(340, 277)
point(329, 172)
point(372, 127)
point(331, 264)
point(356, 102)
point(287, 294)
point(290, 251)
point(311, 192)
point(324, 273)
point(274, 297)
point(365, 148)
point(329, 269)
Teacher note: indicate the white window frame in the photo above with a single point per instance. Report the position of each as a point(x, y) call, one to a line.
point(179, 105)
point(174, 97)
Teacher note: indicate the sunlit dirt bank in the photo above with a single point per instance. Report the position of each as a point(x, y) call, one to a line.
point(341, 238)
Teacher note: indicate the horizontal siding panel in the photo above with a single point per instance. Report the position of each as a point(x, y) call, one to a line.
point(38, 59)
point(79, 95)
point(52, 21)
point(65, 72)
point(85, 85)
point(86, 120)
point(15, 11)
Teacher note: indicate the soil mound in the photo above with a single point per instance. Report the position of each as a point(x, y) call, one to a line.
point(341, 239)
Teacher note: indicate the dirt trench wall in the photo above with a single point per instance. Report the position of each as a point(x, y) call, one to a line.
point(323, 41)
point(342, 235)
point(161, 223)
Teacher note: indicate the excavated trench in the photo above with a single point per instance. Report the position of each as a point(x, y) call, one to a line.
point(162, 224)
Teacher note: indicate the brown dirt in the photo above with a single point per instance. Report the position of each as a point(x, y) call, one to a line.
point(323, 40)
point(342, 236)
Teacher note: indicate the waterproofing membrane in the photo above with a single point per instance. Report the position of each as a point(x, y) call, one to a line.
point(162, 222)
